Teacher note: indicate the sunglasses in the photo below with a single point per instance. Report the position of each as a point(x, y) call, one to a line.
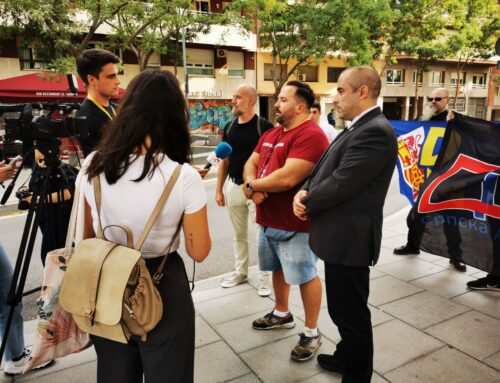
point(437, 99)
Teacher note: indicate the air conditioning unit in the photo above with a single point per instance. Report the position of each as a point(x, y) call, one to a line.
point(302, 77)
point(221, 53)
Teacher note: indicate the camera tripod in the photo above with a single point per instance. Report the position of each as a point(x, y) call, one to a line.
point(48, 206)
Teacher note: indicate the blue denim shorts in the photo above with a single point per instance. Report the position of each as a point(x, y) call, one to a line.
point(294, 257)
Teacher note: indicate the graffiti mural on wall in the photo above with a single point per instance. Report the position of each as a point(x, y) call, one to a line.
point(211, 115)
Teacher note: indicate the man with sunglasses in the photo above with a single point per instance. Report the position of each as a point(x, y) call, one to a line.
point(99, 71)
point(438, 102)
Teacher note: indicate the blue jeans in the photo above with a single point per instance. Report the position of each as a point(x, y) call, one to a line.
point(15, 341)
point(293, 256)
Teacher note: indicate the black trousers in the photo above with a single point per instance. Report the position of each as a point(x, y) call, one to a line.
point(347, 290)
point(168, 353)
point(416, 230)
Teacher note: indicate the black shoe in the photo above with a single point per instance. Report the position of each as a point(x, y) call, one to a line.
point(406, 250)
point(330, 363)
point(486, 283)
point(458, 265)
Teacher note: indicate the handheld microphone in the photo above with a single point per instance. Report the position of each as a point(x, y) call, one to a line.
point(221, 152)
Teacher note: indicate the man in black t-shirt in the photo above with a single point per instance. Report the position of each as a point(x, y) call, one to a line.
point(98, 70)
point(242, 134)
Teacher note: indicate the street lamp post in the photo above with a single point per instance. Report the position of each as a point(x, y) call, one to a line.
point(184, 61)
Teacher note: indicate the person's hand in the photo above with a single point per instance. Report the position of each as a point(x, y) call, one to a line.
point(6, 172)
point(299, 209)
point(450, 116)
point(259, 197)
point(248, 193)
point(201, 171)
point(219, 198)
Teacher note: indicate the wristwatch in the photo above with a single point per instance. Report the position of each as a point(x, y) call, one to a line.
point(248, 186)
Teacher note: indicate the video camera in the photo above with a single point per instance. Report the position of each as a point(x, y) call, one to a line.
point(41, 124)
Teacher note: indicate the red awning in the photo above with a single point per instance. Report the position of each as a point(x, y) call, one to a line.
point(31, 87)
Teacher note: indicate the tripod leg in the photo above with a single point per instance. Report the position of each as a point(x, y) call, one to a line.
point(25, 252)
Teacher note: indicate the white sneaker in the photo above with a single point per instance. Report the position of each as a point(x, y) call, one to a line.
point(16, 367)
point(264, 287)
point(233, 280)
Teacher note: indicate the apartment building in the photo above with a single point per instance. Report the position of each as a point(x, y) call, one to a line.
point(399, 83)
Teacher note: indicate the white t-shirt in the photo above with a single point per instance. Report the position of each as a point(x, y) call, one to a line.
point(329, 130)
point(131, 203)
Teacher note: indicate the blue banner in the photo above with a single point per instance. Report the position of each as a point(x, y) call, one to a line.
point(418, 147)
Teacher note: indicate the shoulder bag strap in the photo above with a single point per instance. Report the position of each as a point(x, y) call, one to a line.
point(158, 207)
point(97, 196)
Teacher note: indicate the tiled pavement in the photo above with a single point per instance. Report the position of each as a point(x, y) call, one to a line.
point(427, 328)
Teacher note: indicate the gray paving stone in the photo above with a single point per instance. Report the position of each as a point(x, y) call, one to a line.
point(68, 362)
point(216, 362)
point(432, 368)
point(327, 377)
point(281, 369)
point(241, 336)
point(386, 256)
point(394, 241)
point(83, 373)
point(447, 283)
point(445, 262)
point(397, 343)
point(204, 334)
point(374, 273)
point(474, 333)
point(387, 289)
point(494, 361)
point(328, 328)
point(250, 378)
point(423, 309)
point(233, 306)
point(217, 292)
point(487, 302)
point(410, 269)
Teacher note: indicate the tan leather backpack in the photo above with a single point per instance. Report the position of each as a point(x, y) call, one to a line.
point(107, 286)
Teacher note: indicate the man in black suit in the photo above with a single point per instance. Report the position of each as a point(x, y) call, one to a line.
point(343, 199)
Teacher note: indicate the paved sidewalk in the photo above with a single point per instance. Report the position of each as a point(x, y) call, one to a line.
point(427, 328)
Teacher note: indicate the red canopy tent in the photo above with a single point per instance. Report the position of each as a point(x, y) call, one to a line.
point(31, 87)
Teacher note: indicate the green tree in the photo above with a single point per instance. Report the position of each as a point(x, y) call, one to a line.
point(303, 32)
point(156, 26)
point(419, 30)
point(58, 30)
point(475, 29)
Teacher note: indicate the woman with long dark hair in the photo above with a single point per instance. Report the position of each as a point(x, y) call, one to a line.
point(135, 159)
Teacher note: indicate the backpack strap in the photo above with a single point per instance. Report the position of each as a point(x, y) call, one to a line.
point(230, 126)
point(158, 207)
point(259, 128)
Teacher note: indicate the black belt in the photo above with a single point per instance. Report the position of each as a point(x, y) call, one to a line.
point(237, 181)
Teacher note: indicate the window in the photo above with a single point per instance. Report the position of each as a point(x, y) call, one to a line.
point(307, 73)
point(414, 80)
point(436, 78)
point(29, 60)
point(396, 77)
point(269, 67)
point(200, 62)
point(476, 107)
point(333, 74)
point(235, 66)
point(460, 106)
point(202, 6)
point(454, 79)
point(479, 81)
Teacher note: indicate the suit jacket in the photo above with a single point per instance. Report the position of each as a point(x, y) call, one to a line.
point(346, 192)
